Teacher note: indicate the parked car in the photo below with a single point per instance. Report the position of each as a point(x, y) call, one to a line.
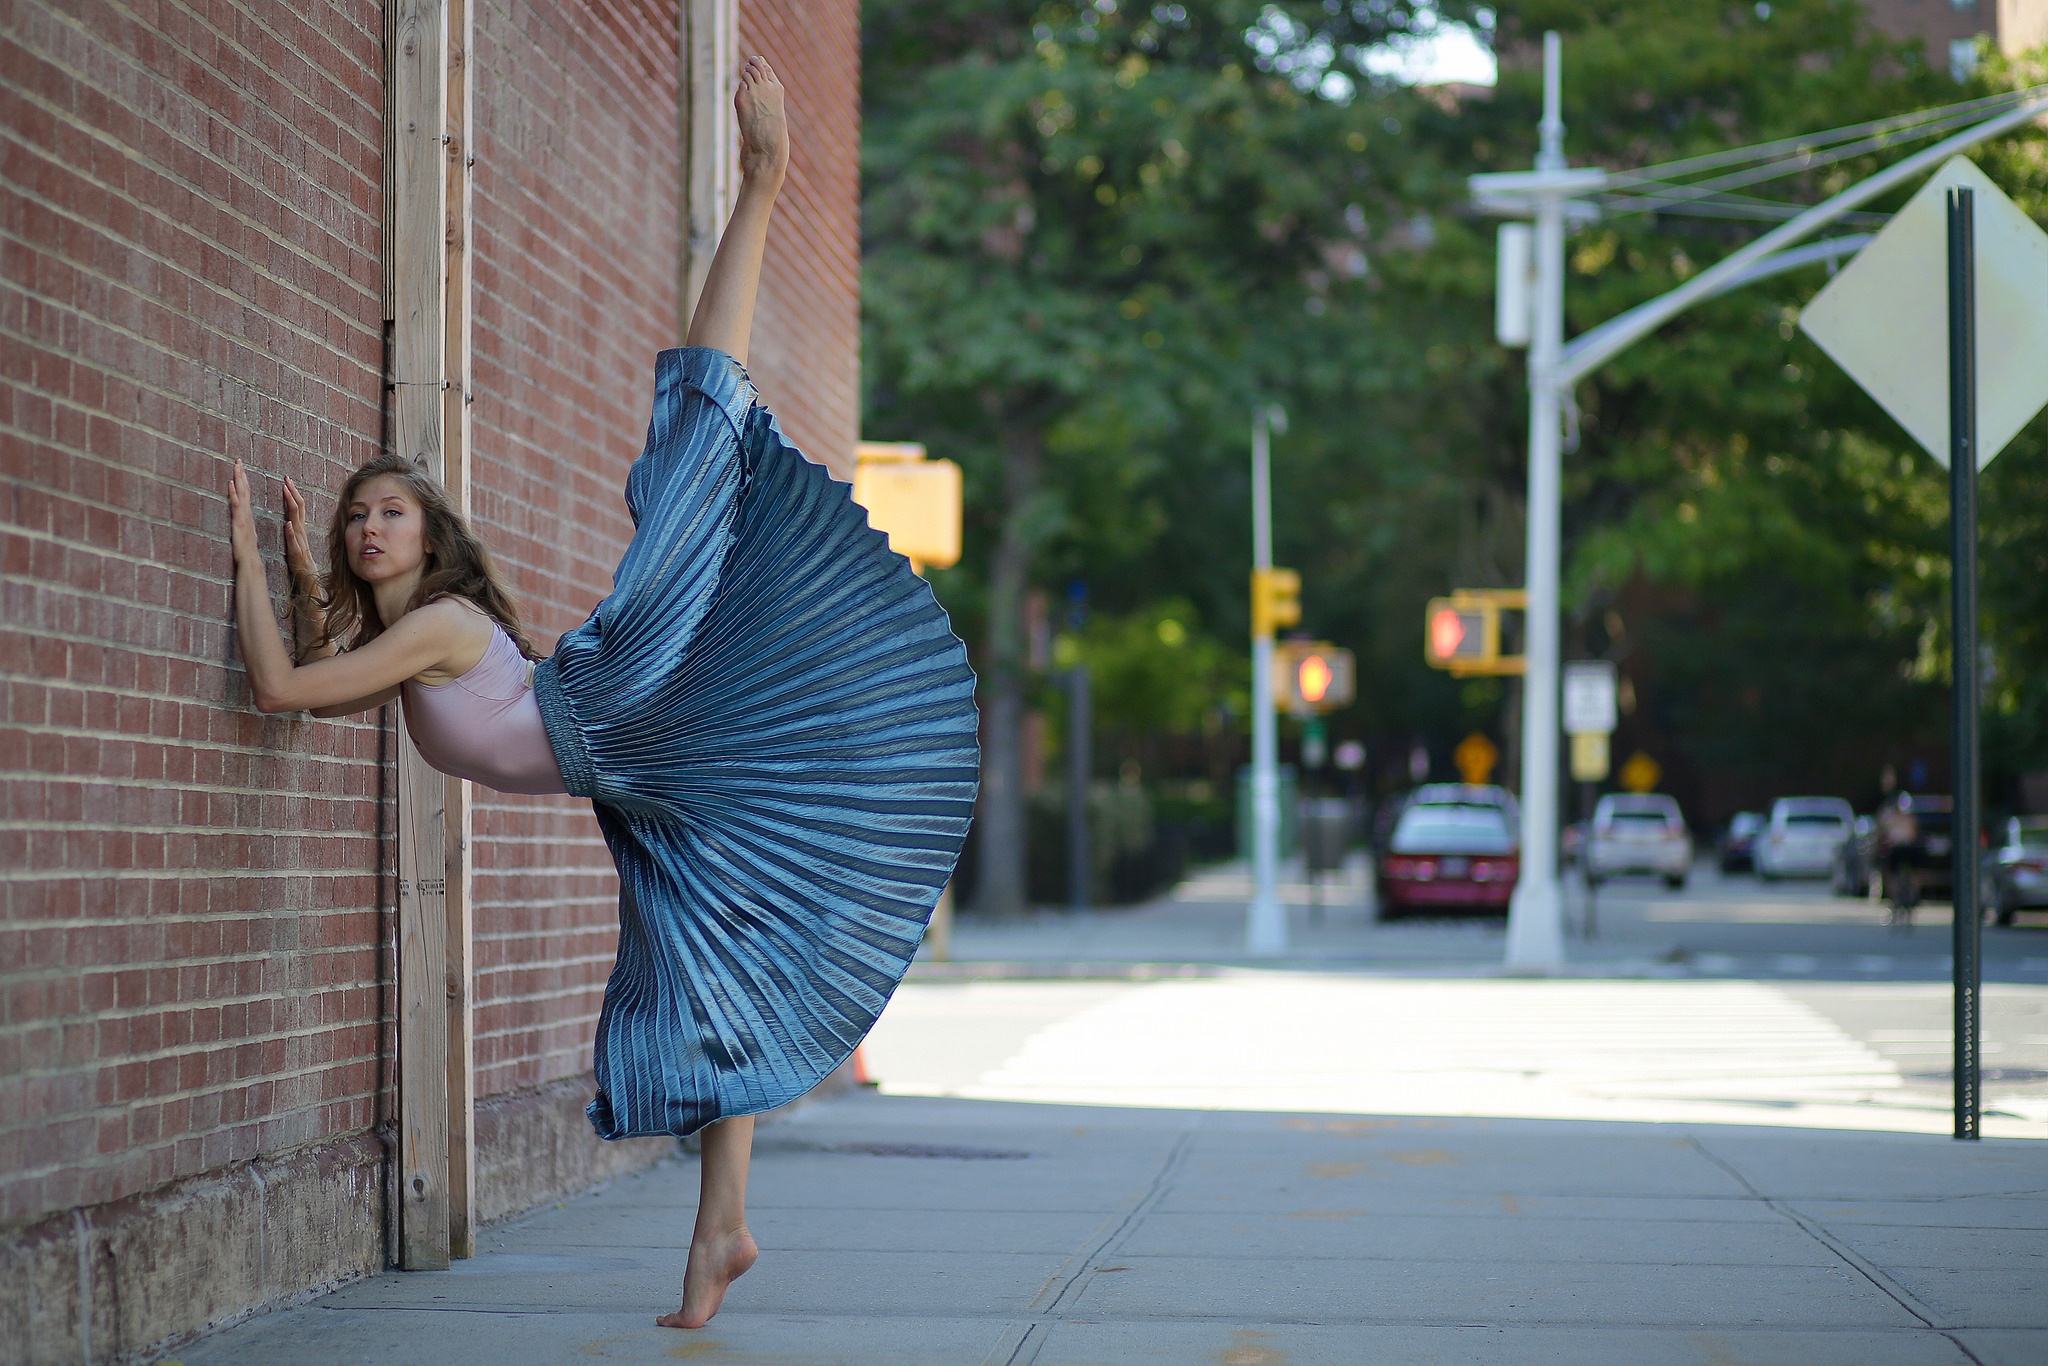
point(2019, 867)
point(1738, 842)
point(1801, 837)
point(1638, 832)
point(1445, 856)
point(1468, 794)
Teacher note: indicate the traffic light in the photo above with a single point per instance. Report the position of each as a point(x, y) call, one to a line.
point(1461, 633)
point(1276, 600)
point(1312, 676)
point(912, 500)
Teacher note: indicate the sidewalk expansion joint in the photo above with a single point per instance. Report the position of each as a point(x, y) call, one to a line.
point(1065, 1285)
point(1863, 1267)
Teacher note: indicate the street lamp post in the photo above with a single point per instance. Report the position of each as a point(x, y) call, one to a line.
point(1536, 914)
point(1265, 930)
point(1545, 194)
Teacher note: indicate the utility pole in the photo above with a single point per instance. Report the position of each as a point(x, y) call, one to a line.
point(1546, 195)
point(1265, 930)
point(1536, 915)
point(1080, 862)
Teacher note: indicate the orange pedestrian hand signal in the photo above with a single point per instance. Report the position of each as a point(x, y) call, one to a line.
point(1447, 632)
point(1312, 676)
point(1461, 633)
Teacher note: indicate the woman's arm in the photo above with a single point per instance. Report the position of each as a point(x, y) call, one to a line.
point(724, 317)
point(309, 617)
point(420, 640)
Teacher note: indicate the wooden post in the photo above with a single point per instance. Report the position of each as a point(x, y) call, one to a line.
point(710, 43)
point(417, 262)
point(457, 398)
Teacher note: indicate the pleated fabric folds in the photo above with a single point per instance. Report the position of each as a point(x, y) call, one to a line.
point(776, 725)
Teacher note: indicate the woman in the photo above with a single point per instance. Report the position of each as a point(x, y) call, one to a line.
point(769, 712)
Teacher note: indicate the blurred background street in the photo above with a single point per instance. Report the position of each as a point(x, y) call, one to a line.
point(1728, 1001)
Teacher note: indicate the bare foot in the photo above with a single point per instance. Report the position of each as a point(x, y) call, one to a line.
point(764, 131)
point(715, 1263)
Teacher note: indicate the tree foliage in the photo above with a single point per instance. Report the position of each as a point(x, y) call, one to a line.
point(1097, 234)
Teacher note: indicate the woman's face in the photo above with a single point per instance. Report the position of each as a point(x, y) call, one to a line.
point(386, 532)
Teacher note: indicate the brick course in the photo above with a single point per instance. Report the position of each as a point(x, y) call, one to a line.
point(195, 966)
point(189, 938)
point(805, 354)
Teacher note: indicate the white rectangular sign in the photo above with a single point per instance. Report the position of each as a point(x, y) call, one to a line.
point(1589, 707)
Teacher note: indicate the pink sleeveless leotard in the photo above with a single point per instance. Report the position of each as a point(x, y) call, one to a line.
point(485, 725)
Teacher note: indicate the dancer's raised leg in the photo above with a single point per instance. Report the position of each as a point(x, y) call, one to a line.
point(721, 1249)
point(724, 317)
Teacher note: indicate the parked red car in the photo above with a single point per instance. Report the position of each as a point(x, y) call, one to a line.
point(1449, 857)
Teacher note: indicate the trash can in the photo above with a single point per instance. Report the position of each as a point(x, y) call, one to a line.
point(1244, 811)
point(1325, 833)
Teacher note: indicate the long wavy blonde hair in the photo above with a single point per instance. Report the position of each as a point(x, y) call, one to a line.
point(457, 565)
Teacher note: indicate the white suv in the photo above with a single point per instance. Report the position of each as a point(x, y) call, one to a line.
point(1801, 837)
point(1638, 833)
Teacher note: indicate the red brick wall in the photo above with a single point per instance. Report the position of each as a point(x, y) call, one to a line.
point(189, 245)
point(193, 958)
point(805, 354)
point(578, 222)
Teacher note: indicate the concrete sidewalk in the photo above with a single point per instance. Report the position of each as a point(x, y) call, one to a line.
point(1576, 1171)
point(960, 1232)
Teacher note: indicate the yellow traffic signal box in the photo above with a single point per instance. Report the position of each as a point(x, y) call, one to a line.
point(1312, 676)
point(1461, 633)
point(1276, 600)
point(912, 500)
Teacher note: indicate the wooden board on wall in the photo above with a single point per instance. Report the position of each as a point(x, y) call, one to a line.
point(710, 43)
point(417, 265)
point(455, 431)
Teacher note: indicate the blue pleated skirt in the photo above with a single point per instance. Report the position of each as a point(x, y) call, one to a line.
point(776, 725)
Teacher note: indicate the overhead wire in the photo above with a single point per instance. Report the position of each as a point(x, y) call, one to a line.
point(1762, 151)
point(1651, 188)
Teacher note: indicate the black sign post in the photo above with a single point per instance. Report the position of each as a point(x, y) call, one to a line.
point(1968, 928)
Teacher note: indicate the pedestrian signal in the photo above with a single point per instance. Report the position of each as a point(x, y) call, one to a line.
point(1276, 600)
point(1312, 676)
point(1457, 632)
point(1461, 633)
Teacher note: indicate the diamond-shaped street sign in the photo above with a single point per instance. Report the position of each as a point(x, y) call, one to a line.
point(1884, 318)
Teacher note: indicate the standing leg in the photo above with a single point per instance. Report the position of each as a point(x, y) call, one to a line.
point(724, 318)
point(721, 1249)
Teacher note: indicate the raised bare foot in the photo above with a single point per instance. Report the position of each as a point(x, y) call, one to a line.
point(764, 131)
point(715, 1263)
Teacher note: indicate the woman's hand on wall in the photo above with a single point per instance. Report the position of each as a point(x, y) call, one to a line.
point(298, 548)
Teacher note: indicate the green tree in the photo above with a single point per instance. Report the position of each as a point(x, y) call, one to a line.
point(1094, 237)
point(1760, 544)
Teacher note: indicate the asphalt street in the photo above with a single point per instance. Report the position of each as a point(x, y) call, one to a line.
point(1778, 976)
